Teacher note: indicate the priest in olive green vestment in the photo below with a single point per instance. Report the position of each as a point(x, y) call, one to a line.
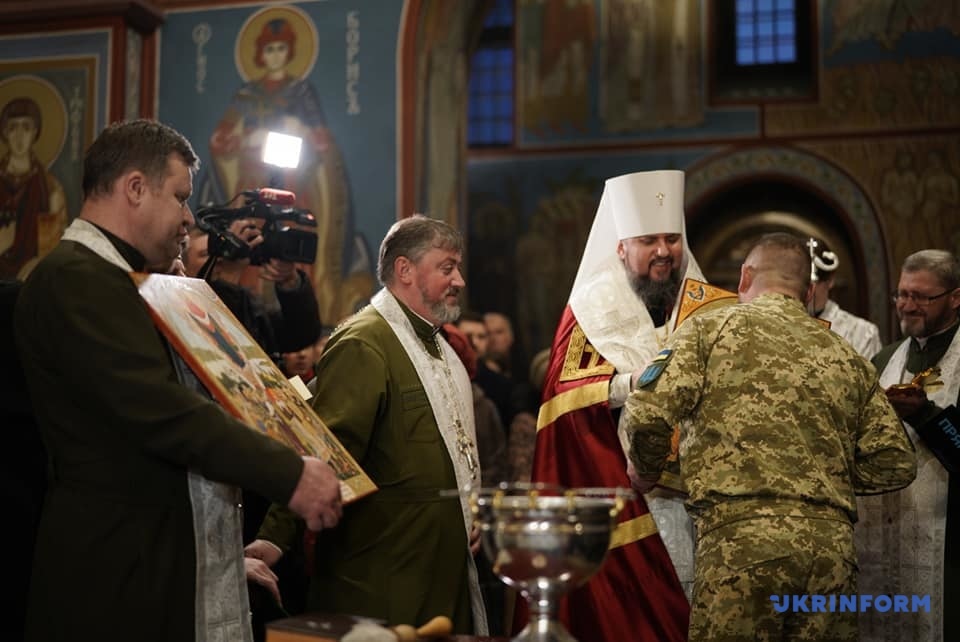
point(394, 392)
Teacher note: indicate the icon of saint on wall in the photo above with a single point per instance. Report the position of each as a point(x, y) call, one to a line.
point(275, 51)
point(33, 207)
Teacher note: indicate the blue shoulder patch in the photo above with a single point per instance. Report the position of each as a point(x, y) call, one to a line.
point(654, 369)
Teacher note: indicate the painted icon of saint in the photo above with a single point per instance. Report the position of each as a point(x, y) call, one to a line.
point(33, 209)
point(275, 52)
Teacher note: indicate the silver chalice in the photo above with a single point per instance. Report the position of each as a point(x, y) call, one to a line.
point(544, 541)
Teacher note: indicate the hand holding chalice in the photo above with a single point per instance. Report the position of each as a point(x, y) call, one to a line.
point(909, 398)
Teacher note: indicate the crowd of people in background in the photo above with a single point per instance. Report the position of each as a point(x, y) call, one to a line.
point(803, 455)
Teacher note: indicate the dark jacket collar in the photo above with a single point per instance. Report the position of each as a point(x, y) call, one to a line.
point(935, 342)
point(426, 331)
point(129, 253)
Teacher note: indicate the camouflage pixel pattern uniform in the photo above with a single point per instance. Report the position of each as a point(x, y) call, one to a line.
point(783, 423)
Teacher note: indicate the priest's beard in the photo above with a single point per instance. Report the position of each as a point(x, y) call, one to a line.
point(658, 296)
point(924, 322)
point(440, 310)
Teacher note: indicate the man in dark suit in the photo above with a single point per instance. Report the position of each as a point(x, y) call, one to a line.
point(139, 534)
point(22, 476)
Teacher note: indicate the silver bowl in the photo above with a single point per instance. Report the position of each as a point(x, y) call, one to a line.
point(545, 541)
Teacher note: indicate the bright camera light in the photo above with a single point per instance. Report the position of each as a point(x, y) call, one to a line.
point(282, 150)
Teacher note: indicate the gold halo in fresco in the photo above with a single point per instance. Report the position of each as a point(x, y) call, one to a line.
point(305, 54)
point(53, 129)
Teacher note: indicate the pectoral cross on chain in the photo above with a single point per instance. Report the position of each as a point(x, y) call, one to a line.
point(465, 447)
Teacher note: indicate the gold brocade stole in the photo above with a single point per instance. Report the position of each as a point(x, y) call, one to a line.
point(581, 361)
point(698, 296)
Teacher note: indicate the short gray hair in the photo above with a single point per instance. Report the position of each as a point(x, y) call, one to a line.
point(413, 237)
point(940, 263)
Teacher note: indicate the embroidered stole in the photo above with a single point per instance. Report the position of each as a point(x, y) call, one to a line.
point(451, 400)
point(221, 603)
point(901, 536)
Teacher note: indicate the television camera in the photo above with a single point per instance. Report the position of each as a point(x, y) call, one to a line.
point(280, 240)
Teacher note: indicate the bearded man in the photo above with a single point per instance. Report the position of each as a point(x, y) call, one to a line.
point(620, 313)
point(903, 538)
point(398, 398)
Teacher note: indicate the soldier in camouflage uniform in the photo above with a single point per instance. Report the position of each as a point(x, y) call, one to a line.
point(785, 424)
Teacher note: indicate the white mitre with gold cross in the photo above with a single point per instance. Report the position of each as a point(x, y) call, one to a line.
point(610, 313)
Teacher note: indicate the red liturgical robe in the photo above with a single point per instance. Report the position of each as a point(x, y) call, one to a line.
point(636, 594)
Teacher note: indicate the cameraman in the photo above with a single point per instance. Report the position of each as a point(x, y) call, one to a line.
point(289, 324)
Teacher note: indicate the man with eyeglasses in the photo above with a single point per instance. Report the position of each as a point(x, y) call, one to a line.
point(903, 538)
